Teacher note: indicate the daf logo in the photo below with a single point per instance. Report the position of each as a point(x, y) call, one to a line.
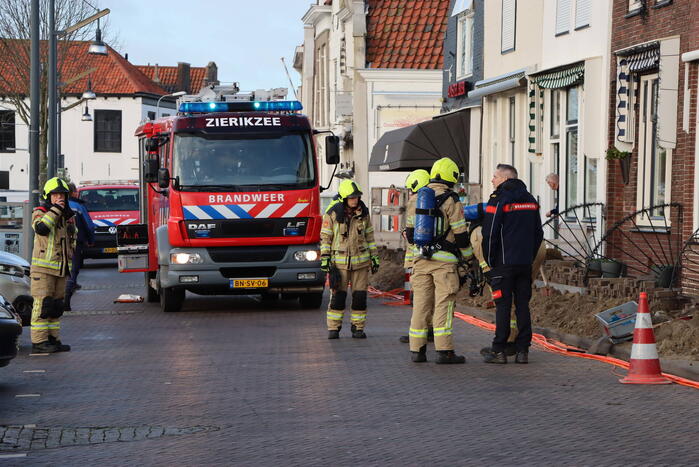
point(201, 226)
point(112, 230)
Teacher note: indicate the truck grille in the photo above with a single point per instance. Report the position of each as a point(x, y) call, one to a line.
point(243, 254)
point(236, 273)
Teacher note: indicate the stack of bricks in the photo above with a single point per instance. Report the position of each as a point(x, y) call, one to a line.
point(564, 272)
point(570, 273)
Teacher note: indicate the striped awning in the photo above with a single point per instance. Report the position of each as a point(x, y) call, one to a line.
point(641, 58)
point(561, 78)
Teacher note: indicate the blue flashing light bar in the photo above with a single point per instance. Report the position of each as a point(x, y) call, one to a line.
point(240, 106)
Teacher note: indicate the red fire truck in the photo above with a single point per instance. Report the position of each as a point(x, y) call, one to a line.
point(110, 204)
point(230, 200)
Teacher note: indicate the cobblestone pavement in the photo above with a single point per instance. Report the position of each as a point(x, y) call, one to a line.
point(237, 381)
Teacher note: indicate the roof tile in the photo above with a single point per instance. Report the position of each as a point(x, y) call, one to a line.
point(406, 33)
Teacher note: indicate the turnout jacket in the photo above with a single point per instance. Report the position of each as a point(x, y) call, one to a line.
point(54, 241)
point(348, 239)
point(512, 229)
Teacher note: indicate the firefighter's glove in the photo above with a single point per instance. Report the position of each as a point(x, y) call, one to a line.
point(325, 263)
point(375, 263)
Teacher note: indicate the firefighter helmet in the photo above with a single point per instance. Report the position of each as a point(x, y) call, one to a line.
point(417, 179)
point(54, 185)
point(349, 189)
point(444, 170)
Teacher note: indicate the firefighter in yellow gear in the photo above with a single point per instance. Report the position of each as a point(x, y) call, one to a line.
point(347, 243)
point(476, 238)
point(415, 180)
point(435, 279)
point(54, 243)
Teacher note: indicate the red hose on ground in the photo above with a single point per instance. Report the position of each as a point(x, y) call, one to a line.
point(560, 348)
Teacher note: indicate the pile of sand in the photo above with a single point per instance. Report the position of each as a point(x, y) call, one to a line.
point(391, 274)
point(679, 337)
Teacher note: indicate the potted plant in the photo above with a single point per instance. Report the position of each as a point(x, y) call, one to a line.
point(624, 158)
point(612, 268)
point(594, 267)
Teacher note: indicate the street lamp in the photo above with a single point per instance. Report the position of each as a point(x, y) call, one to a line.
point(174, 94)
point(97, 47)
point(89, 94)
point(86, 115)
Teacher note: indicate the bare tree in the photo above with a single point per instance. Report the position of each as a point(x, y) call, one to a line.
point(15, 47)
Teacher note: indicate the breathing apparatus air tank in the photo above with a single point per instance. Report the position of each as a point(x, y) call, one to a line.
point(424, 221)
point(474, 212)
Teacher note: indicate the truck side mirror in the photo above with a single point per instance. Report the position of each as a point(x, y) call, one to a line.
point(150, 170)
point(152, 144)
point(163, 177)
point(332, 150)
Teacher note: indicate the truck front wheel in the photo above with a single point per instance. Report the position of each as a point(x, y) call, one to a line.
point(171, 299)
point(311, 301)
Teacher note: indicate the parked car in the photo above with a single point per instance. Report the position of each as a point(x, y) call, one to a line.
point(110, 204)
point(10, 329)
point(15, 284)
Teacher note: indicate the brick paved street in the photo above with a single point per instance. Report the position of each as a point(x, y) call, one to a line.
point(234, 381)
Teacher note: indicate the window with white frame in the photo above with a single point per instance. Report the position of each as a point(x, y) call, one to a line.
point(572, 196)
point(654, 161)
point(320, 104)
point(464, 46)
point(509, 25)
point(7, 131)
point(635, 5)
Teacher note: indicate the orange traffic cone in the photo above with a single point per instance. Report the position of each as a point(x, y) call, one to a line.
point(645, 364)
point(407, 289)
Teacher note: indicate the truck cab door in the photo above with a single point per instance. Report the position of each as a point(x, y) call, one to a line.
point(132, 247)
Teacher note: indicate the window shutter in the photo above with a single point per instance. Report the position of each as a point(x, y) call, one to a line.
point(583, 12)
point(509, 18)
point(562, 16)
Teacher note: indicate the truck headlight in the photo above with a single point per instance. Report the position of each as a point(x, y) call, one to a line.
point(185, 258)
point(307, 255)
point(12, 270)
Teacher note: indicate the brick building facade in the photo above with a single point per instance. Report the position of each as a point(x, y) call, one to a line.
point(653, 116)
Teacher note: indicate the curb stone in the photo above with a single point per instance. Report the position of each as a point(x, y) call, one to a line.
point(683, 368)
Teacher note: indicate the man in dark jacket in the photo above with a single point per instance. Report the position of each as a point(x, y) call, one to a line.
point(512, 234)
point(86, 237)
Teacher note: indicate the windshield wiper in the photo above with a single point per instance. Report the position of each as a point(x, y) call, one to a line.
point(209, 187)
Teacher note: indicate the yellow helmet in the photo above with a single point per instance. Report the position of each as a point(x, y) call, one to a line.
point(417, 179)
point(349, 189)
point(54, 185)
point(445, 170)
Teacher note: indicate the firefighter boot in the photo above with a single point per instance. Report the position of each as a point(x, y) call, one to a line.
point(448, 356)
point(489, 356)
point(522, 357)
point(60, 347)
point(357, 333)
point(334, 333)
point(44, 347)
point(420, 356)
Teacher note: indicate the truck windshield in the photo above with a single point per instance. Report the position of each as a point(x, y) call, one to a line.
point(215, 162)
point(110, 199)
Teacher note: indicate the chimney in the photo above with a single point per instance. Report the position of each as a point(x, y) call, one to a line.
point(156, 76)
point(183, 78)
point(126, 56)
point(211, 74)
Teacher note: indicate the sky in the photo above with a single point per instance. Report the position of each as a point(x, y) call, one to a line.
point(246, 38)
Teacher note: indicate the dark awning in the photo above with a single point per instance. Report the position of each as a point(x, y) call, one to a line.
point(419, 146)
